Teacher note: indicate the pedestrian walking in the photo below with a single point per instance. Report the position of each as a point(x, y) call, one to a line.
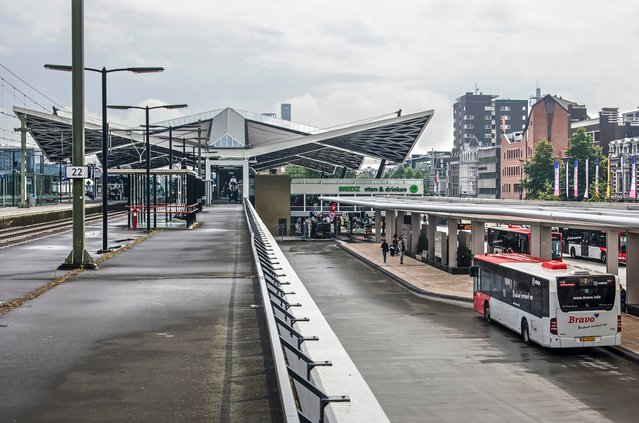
point(394, 245)
point(384, 249)
point(623, 300)
point(401, 245)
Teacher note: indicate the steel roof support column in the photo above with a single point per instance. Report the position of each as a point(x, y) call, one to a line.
point(431, 232)
point(378, 226)
point(612, 252)
point(390, 223)
point(245, 179)
point(632, 272)
point(541, 241)
point(452, 242)
point(477, 232)
point(415, 228)
point(23, 162)
point(399, 223)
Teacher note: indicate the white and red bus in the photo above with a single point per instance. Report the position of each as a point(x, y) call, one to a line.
point(592, 244)
point(516, 239)
point(546, 301)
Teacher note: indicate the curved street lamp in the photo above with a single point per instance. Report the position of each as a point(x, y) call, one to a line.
point(148, 150)
point(105, 159)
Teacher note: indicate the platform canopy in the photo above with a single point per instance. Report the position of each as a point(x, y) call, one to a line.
point(235, 134)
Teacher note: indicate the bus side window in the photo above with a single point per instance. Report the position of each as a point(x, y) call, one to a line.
point(497, 286)
point(508, 290)
point(486, 281)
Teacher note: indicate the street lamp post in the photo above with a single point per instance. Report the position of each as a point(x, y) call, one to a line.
point(148, 150)
point(105, 129)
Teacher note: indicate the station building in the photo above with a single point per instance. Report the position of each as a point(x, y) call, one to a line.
point(235, 148)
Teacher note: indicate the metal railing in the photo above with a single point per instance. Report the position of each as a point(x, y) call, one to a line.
point(294, 323)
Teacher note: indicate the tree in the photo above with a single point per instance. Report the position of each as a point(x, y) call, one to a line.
point(580, 148)
point(539, 171)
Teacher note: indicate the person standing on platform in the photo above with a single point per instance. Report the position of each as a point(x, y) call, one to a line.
point(394, 245)
point(401, 245)
point(384, 249)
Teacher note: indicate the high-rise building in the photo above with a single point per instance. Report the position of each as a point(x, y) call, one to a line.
point(485, 118)
point(473, 118)
point(286, 111)
point(510, 116)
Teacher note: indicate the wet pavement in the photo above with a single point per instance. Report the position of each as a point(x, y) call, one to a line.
point(33, 263)
point(427, 360)
point(163, 332)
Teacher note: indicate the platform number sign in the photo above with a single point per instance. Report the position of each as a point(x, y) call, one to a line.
point(77, 172)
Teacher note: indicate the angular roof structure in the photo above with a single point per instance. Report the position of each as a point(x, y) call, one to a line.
point(236, 134)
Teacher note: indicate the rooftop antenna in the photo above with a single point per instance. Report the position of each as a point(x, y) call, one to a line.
point(476, 88)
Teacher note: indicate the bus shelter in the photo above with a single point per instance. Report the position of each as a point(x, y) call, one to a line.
point(175, 197)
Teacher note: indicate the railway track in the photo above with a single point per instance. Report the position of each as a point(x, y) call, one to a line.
point(12, 235)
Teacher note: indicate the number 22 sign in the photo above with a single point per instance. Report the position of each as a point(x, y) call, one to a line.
point(77, 172)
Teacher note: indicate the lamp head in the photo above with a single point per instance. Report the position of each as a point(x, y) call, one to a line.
point(65, 68)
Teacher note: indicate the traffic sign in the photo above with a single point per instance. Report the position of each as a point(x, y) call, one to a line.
point(77, 172)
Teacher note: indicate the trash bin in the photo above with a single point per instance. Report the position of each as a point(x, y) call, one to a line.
point(31, 200)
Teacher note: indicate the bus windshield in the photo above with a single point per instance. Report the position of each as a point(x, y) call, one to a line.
point(586, 293)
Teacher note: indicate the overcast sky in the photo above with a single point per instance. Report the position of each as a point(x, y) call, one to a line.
point(334, 61)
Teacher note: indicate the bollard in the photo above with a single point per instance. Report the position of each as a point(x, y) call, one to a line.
point(134, 212)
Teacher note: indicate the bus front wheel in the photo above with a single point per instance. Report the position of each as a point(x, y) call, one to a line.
point(525, 333)
point(486, 311)
point(573, 253)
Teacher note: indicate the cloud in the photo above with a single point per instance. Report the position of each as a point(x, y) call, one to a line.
point(341, 62)
point(347, 103)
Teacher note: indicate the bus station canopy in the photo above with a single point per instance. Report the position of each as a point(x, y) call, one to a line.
point(235, 134)
point(595, 216)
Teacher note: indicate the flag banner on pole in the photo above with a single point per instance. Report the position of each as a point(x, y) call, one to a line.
point(633, 179)
point(608, 181)
point(576, 180)
point(597, 177)
point(556, 179)
point(567, 184)
point(586, 194)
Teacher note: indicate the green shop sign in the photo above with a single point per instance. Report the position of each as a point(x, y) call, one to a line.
point(356, 188)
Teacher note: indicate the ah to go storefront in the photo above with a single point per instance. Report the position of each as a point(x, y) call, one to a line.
point(305, 193)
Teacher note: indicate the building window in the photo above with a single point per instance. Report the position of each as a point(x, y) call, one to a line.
point(313, 202)
point(469, 117)
point(489, 108)
point(505, 117)
point(488, 136)
point(505, 108)
point(469, 126)
point(488, 117)
point(488, 126)
point(297, 202)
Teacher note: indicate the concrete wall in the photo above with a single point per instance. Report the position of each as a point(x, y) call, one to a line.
point(273, 199)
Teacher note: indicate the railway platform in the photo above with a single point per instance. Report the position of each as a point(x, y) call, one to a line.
point(423, 279)
point(162, 331)
point(15, 216)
